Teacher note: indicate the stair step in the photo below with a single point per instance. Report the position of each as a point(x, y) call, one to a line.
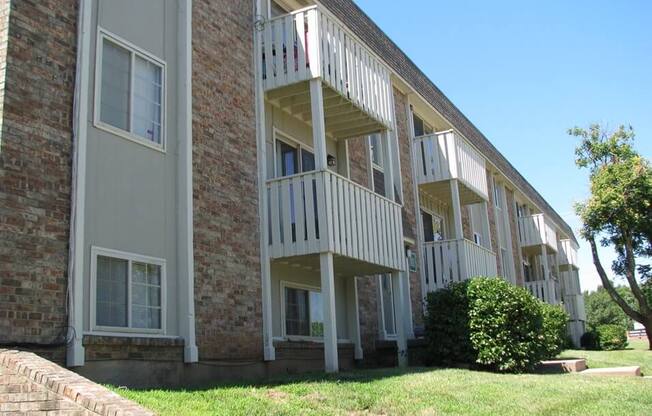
point(631, 371)
point(562, 366)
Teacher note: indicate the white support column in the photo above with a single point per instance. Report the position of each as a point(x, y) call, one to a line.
point(388, 167)
point(353, 316)
point(399, 310)
point(487, 228)
point(269, 353)
point(318, 124)
point(331, 364)
point(75, 356)
point(185, 247)
point(546, 272)
point(458, 229)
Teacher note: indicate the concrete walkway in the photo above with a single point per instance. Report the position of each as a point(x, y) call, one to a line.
point(31, 385)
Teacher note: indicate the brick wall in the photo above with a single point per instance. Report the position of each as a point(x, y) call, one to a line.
point(35, 168)
point(102, 348)
point(493, 230)
point(513, 228)
point(409, 210)
point(227, 258)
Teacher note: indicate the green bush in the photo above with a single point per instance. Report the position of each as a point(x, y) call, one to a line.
point(555, 336)
point(490, 322)
point(590, 340)
point(612, 337)
point(447, 326)
point(506, 325)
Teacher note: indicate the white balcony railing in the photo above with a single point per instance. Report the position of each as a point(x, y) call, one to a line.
point(568, 253)
point(316, 212)
point(574, 305)
point(309, 43)
point(545, 290)
point(445, 155)
point(449, 261)
point(536, 230)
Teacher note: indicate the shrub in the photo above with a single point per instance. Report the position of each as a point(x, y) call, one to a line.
point(447, 326)
point(612, 337)
point(554, 330)
point(590, 340)
point(506, 325)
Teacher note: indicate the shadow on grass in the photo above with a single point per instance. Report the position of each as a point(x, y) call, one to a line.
point(350, 376)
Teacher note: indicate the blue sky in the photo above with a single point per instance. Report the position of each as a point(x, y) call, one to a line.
point(524, 72)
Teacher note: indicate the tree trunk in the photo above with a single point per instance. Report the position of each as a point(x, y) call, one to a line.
point(648, 331)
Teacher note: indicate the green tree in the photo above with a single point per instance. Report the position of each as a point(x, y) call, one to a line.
point(617, 213)
point(602, 310)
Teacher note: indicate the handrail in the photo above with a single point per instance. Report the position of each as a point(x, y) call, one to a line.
point(344, 178)
point(292, 13)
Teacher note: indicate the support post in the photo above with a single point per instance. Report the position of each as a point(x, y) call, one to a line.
point(388, 165)
point(318, 124)
point(458, 228)
point(353, 316)
point(269, 354)
point(399, 310)
point(546, 271)
point(331, 364)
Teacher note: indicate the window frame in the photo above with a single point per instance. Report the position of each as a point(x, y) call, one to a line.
point(280, 136)
point(130, 258)
point(379, 167)
point(300, 286)
point(134, 51)
point(383, 325)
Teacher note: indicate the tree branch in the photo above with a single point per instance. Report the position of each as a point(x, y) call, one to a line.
point(630, 275)
point(606, 283)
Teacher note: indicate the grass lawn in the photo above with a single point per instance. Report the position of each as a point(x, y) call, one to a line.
point(636, 354)
point(422, 391)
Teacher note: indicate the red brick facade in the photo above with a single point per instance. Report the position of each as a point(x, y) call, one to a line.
point(513, 227)
point(35, 168)
point(228, 304)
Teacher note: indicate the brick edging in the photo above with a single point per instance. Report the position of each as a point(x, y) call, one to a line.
point(90, 395)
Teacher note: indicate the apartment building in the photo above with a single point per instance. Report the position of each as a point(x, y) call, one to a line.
point(193, 190)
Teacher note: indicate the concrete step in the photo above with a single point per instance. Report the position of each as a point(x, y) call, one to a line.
point(632, 371)
point(562, 366)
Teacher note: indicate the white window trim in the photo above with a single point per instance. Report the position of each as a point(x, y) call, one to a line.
point(134, 50)
point(383, 329)
point(131, 257)
point(292, 285)
point(441, 217)
point(280, 136)
point(375, 165)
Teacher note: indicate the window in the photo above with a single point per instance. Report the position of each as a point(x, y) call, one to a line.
point(389, 317)
point(477, 238)
point(421, 128)
point(128, 291)
point(303, 311)
point(292, 158)
point(129, 91)
point(376, 149)
point(433, 226)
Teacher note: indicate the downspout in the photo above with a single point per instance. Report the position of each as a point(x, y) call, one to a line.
point(185, 251)
point(261, 149)
point(75, 295)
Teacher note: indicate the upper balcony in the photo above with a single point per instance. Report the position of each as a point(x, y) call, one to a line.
point(449, 261)
point(321, 211)
point(442, 156)
point(567, 254)
point(309, 44)
point(537, 230)
point(546, 290)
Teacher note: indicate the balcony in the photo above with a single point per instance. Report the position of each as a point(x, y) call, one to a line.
point(318, 212)
point(454, 261)
point(574, 306)
point(443, 156)
point(567, 255)
point(545, 290)
point(308, 44)
point(535, 231)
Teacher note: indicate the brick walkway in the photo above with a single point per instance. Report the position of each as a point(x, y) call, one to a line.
point(33, 385)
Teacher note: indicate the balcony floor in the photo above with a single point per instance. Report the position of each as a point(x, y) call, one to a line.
point(442, 191)
point(343, 266)
point(343, 119)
